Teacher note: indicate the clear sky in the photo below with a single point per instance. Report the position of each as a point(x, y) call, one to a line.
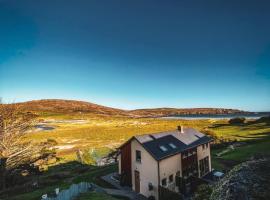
point(137, 54)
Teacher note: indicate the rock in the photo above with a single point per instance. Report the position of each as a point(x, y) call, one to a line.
point(247, 181)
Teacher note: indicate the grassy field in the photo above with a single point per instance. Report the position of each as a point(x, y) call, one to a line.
point(253, 135)
point(100, 135)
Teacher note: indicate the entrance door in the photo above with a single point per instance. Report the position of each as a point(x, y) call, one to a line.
point(137, 181)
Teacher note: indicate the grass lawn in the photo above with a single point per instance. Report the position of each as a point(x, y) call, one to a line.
point(98, 196)
point(74, 173)
point(245, 152)
point(95, 196)
point(255, 138)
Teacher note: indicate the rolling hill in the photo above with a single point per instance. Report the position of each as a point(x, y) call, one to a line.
point(72, 106)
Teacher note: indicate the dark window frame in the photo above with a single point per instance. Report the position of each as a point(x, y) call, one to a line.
point(138, 156)
point(164, 182)
point(171, 178)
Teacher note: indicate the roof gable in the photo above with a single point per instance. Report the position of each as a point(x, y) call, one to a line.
point(165, 144)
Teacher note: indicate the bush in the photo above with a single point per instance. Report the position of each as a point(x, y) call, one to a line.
point(237, 120)
point(203, 192)
point(151, 198)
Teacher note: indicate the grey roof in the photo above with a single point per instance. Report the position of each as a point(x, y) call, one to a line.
point(188, 139)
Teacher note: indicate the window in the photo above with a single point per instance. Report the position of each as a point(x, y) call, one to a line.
point(138, 156)
point(172, 145)
point(163, 148)
point(164, 182)
point(171, 178)
point(204, 166)
point(206, 145)
point(177, 173)
point(150, 186)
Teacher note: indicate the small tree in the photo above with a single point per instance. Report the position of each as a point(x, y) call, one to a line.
point(14, 149)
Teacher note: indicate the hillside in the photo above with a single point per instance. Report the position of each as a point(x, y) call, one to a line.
point(68, 106)
point(183, 111)
point(72, 106)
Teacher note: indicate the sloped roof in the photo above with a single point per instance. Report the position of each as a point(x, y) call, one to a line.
point(154, 143)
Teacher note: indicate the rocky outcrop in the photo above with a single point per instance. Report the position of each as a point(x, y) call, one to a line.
point(247, 181)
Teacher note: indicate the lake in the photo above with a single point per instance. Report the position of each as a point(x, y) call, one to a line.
point(218, 116)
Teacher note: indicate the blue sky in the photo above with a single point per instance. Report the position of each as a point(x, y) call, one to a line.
point(137, 54)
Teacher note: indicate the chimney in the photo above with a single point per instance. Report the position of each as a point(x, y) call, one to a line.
point(181, 129)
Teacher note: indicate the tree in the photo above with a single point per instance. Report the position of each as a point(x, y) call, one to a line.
point(14, 149)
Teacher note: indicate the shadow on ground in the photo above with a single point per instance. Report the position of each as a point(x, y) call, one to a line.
point(59, 176)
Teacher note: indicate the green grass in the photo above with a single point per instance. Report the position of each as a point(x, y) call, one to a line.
point(100, 135)
point(243, 153)
point(104, 134)
point(255, 138)
point(75, 175)
point(241, 132)
point(95, 196)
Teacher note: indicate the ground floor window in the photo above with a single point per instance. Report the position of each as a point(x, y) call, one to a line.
point(204, 166)
point(164, 182)
point(171, 178)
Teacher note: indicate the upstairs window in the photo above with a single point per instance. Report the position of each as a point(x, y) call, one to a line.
point(138, 156)
point(205, 146)
point(163, 148)
point(172, 146)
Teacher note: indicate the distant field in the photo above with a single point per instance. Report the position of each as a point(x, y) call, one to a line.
point(100, 135)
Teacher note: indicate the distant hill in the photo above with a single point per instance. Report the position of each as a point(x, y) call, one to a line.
point(68, 106)
point(72, 106)
point(183, 111)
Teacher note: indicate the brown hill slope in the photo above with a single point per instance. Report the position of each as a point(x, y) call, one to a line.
point(68, 106)
point(72, 106)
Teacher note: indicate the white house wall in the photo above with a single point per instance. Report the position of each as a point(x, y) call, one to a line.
point(202, 153)
point(148, 169)
point(170, 166)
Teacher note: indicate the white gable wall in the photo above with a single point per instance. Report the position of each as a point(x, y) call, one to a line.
point(148, 169)
point(202, 153)
point(170, 166)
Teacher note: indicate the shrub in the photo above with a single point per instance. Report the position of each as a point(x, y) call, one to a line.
point(237, 120)
point(203, 192)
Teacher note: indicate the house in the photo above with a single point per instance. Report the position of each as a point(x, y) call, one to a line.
point(170, 160)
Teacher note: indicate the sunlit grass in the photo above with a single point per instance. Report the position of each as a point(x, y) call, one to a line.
point(104, 134)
